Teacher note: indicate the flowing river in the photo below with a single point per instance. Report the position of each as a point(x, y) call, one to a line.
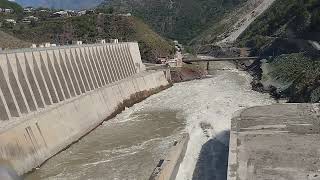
point(130, 145)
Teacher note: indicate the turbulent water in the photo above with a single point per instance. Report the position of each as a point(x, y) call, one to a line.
point(130, 145)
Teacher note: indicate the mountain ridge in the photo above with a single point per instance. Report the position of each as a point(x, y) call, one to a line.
point(181, 20)
point(61, 4)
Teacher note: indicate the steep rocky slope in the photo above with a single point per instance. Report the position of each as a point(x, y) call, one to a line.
point(8, 41)
point(177, 19)
point(232, 24)
point(289, 31)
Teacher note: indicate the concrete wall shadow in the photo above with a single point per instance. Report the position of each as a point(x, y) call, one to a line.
point(213, 159)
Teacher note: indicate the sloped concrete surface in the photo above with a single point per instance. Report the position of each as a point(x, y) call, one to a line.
point(213, 159)
point(275, 142)
point(51, 97)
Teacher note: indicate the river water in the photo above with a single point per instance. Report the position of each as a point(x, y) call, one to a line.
point(130, 145)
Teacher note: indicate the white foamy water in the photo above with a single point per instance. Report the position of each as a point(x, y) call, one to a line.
point(130, 145)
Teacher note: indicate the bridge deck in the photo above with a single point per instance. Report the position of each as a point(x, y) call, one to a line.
point(220, 59)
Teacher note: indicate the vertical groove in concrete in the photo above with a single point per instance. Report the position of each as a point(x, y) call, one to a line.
point(30, 76)
point(120, 60)
point(7, 90)
point(103, 67)
point(26, 87)
point(54, 76)
point(98, 62)
point(40, 77)
point(131, 63)
point(91, 68)
point(108, 62)
point(47, 77)
point(86, 68)
point(66, 72)
point(79, 62)
point(76, 70)
point(124, 60)
point(61, 77)
point(106, 69)
point(72, 72)
point(15, 85)
point(4, 110)
point(117, 62)
point(130, 70)
point(95, 66)
point(113, 63)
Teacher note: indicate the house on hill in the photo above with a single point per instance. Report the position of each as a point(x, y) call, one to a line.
point(6, 10)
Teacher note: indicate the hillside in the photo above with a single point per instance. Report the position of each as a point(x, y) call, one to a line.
point(8, 41)
point(9, 4)
point(285, 21)
point(288, 31)
point(182, 20)
point(227, 30)
point(89, 28)
point(61, 4)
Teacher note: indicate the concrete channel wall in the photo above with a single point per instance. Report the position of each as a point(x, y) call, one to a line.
point(51, 97)
point(167, 168)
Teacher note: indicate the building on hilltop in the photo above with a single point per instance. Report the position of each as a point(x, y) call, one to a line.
point(12, 21)
point(60, 14)
point(6, 10)
point(28, 10)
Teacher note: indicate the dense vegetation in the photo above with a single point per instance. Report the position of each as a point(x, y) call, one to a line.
point(300, 73)
point(284, 31)
point(89, 28)
point(8, 41)
point(182, 20)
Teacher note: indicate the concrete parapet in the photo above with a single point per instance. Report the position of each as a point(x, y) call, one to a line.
point(51, 97)
point(278, 141)
point(167, 169)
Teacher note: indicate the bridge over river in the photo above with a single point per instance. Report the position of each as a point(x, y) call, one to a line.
point(208, 59)
point(213, 59)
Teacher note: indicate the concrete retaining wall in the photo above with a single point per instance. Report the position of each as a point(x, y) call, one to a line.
point(49, 98)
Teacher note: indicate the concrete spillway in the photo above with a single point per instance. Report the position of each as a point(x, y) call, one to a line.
point(51, 97)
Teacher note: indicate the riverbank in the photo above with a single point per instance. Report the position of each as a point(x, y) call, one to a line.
point(130, 145)
point(189, 72)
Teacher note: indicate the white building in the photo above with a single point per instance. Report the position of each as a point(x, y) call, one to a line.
point(7, 10)
point(114, 40)
point(81, 13)
point(11, 21)
point(28, 10)
point(60, 14)
point(101, 41)
point(77, 42)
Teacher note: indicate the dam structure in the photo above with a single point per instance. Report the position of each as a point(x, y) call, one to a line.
point(51, 97)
